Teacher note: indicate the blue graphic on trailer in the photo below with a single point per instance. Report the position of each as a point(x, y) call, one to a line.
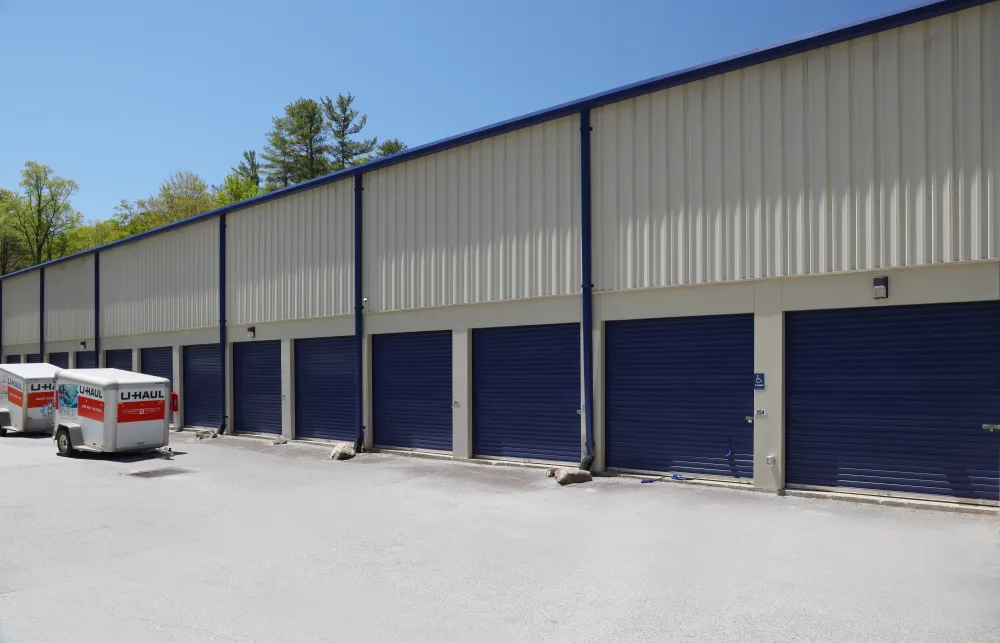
point(68, 398)
point(758, 381)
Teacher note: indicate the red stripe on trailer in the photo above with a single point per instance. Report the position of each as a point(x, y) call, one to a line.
point(38, 400)
point(15, 396)
point(141, 411)
point(91, 409)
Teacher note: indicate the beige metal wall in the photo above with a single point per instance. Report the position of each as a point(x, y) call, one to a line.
point(292, 258)
point(878, 152)
point(20, 309)
point(494, 220)
point(69, 300)
point(167, 282)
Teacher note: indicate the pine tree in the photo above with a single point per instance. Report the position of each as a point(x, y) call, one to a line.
point(297, 147)
point(249, 169)
point(344, 122)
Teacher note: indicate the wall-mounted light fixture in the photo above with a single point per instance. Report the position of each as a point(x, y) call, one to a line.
point(83, 345)
point(252, 332)
point(881, 287)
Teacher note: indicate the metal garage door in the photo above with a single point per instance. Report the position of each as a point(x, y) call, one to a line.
point(13, 359)
point(893, 399)
point(411, 375)
point(325, 390)
point(34, 358)
point(59, 359)
point(158, 362)
point(526, 392)
point(678, 392)
point(202, 396)
point(86, 359)
point(257, 387)
point(120, 359)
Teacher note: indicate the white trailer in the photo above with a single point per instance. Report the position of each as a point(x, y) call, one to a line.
point(27, 397)
point(105, 410)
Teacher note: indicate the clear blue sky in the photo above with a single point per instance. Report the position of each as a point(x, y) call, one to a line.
point(117, 94)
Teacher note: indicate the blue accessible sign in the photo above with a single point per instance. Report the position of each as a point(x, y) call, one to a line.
point(758, 381)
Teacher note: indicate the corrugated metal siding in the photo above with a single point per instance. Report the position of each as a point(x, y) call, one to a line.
point(164, 283)
point(494, 220)
point(894, 399)
point(878, 152)
point(292, 258)
point(526, 392)
point(20, 309)
point(69, 300)
point(678, 394)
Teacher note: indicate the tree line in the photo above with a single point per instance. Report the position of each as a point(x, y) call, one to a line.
point(311, 138)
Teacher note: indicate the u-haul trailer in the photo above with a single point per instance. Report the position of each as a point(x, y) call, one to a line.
point(105, 410)
point(27, 397)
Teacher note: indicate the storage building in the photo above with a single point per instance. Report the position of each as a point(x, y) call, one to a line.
point(781, 269)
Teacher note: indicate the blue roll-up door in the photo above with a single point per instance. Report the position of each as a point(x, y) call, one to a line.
point(158, 362)
point(34, 358)
point(678, 392)
point(325, 390)
point(411, 392)
point(257, 387)
point(86, 359)
point(59, 359)
point(893, 399)
point(526, 392)
point(202, 395)
point(13, 359)
point(120, 359)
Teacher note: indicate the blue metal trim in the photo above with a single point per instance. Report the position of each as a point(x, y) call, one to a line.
point(358, 311)
point(222, 319)
point(41, 313)
point(588, 286)
point(625, 92)
point(97, 306)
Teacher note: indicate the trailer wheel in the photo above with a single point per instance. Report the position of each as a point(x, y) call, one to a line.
point(63, 444)
point(3, 432)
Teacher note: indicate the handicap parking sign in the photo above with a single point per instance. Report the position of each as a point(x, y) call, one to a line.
point(758, 381)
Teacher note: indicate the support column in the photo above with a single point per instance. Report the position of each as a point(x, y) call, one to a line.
point(136, 360)
point(178, 372)
point(769, 359)
point(600, 449)
point(461, 376)
point(366, 391)
point(287, 387)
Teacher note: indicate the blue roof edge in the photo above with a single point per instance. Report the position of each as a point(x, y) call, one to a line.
point(743, 60)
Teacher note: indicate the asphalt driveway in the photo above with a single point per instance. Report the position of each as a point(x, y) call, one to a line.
point(254, 542)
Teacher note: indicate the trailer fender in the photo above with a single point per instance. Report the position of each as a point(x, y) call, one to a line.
point(75, 432)
point(4, 417)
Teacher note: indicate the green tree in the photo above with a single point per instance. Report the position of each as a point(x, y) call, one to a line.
point(95, 233)
point(344, 123)
point(297, 147)
point(42, 215)
point(11, 249)
point(183, 194)
point(249, 168)
point(235, 187)
point(389, 147)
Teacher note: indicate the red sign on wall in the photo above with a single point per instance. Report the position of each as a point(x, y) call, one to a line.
point(141, 411)
point(90, 408)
